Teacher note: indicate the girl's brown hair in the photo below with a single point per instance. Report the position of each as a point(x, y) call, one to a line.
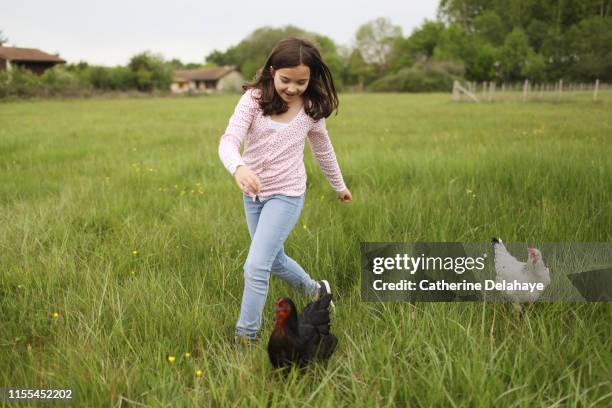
point(320, 98)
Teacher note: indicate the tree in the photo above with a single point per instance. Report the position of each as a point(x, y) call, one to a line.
point(251, 53)
point(359, 72)
point(590, 42)
point(490, 28)
point(151, 72)
point(419, 46)
point(375, 41)
point(220, 58)
point(534, 68)
point(536, 31)
point(175, 64)
point(455, 44)
point(479, 56)
point(3, 39)
point(483, 67)
point(462, 12)
point(569, 37)
point(402, 55)
point(514, 54)
point(424, 39)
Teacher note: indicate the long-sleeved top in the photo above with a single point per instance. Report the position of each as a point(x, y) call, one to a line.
point(276, 155)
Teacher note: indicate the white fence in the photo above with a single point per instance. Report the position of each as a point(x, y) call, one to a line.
point(527, 91)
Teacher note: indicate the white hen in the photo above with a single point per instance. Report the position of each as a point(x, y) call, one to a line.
point(510, 270)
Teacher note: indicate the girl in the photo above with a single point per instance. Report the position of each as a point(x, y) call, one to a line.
point(287, 103)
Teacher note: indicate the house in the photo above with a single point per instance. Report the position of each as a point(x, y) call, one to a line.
point(208, 80)
point(33, 59)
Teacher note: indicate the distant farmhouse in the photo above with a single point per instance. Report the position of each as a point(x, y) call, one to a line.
point(208, 80)
point(33, 59)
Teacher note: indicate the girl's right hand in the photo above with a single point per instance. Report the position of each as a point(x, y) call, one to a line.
point(247, 180)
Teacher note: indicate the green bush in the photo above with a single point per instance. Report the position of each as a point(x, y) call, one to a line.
point(65, 81)
point(58, 80)
point(19, 82)
point(146, 72)
point(111, 79)
point(150, 72)
point(4, 84)
point(421, 77)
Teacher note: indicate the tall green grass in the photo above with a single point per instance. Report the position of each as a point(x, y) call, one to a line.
point(118, 216)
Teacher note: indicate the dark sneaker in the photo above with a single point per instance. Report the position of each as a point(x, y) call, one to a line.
point(324, 288)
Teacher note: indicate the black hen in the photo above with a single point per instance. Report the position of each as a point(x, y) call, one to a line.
point(300, 340)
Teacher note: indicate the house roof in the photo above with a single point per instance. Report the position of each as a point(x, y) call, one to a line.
point(28, 54)
point(204, 74)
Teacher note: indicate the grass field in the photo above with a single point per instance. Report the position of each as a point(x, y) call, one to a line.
point(123, 237)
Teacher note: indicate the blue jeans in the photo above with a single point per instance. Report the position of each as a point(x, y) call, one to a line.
point(270, 223)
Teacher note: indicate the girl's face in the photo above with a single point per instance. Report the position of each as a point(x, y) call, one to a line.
point(291, 83)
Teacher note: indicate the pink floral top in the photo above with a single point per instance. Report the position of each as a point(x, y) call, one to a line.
point(277, 156)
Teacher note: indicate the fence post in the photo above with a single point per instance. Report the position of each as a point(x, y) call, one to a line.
point(560, 88)
point(525, 90)
point(491, 90)
point(456, 93)
point(596, 90)
point(458, 89)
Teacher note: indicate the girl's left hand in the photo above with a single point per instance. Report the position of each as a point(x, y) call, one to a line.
point(345, 196)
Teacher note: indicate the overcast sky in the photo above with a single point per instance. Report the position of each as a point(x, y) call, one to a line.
point(109, 32)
